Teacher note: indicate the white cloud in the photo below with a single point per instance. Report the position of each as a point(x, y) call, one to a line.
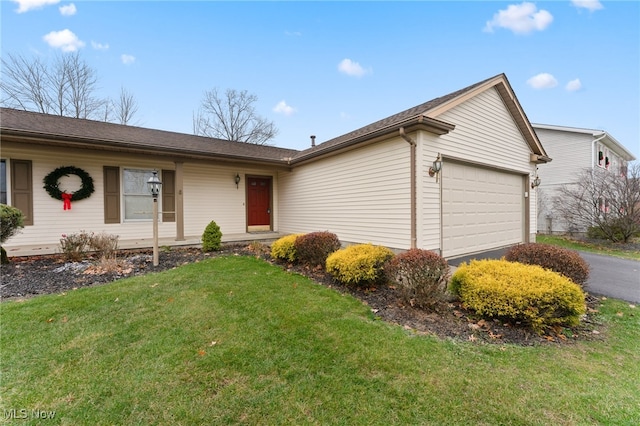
point(65, 40)
point(347, 66)
point(127, 59)
point(68, 10)
point(27, 5)
point(283, 108)
point(293, 33)
point(542, 81)
point(521, 19)
point(99, 46)
point(574, 85)
point(592, 5)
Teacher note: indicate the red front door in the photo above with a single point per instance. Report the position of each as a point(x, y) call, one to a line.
point(259, 204)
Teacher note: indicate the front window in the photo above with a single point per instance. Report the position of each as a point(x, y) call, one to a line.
point(138, 202)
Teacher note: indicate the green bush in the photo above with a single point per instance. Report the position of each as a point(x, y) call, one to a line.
point(359, 264)
point(561, 260)
point(614, 230)
point(420, 276)
point(313, 249)
point(284, 248)
point(11, 220)
point(212, 237)
point(531, 294)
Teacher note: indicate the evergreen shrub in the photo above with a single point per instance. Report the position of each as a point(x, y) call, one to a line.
point(561, 260)
point(312, 249)
point(284, 248)
point(212, 237)
point(420, 276)
point(11, 220)
point(515, 291)
point(359, 264)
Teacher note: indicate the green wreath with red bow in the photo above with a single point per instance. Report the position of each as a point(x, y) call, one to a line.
point(51, 185)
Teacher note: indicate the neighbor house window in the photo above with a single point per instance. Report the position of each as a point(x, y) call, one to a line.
point(600, 156)
point(138, 202)
point(3, 181)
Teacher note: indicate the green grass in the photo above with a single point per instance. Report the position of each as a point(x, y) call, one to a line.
point(588, 247)
point(235, 340)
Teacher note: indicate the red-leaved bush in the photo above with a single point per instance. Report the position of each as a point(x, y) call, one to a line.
point(312, 249)
point(563, 261)
point(420, 276)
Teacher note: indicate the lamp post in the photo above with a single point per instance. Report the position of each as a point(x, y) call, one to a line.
point(154, 186)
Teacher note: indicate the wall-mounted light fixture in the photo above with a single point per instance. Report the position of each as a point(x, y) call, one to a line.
point(237, 180)
point(436, 167)
point(536, 180)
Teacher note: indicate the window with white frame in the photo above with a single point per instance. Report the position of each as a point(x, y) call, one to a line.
point(138, 202)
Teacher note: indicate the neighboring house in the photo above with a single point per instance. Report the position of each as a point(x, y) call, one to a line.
point(371, 185)
point(573, 150)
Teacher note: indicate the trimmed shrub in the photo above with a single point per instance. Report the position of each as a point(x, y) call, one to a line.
point(359, 264)
point(536, 296)
point(420, 276)
point(313, 249)
point(75, 246)
point(105, 245)
point(563, 261)
point(11, 220)
point(212, 237)
point(284, 248)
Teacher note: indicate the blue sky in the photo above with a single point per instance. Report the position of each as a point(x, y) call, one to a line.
point(326, 68)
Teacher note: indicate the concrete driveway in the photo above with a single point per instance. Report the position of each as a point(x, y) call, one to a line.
point(609, 276)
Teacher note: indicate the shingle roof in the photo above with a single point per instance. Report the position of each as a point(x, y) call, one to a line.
point(391, 121)
point(100, 134)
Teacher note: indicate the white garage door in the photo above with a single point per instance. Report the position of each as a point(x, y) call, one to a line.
point(482, 209)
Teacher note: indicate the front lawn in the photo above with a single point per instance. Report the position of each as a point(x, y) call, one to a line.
point(236, 340)
point(628, 251)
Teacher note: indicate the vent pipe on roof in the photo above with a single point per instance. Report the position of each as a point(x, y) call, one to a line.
point(313, 141)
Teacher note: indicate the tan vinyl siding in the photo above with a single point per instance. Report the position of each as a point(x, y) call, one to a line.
point(486, 133)
point(210, 194)
point(361, 195)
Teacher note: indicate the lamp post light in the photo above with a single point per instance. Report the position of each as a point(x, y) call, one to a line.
point(154, 186)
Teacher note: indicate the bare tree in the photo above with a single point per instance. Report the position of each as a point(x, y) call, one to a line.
point(26, 84)
point(126, 107)
point(67, 87)
point(232, 116)
point(605, 200)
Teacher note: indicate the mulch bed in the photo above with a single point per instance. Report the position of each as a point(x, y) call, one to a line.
point(34, 275)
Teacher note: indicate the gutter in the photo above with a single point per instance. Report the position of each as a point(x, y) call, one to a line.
point(412, 168)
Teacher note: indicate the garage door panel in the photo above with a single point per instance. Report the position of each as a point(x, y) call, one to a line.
point(481, 209)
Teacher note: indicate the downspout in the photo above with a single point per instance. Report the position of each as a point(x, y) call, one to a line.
point(412, 171)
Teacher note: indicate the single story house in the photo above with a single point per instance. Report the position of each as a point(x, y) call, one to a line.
point(453, 175)
point(573, 150)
